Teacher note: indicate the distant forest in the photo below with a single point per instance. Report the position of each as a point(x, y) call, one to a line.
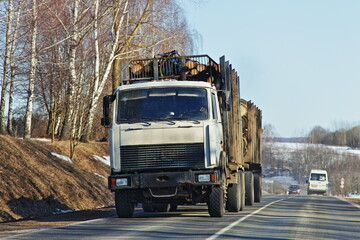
point(342, 137)
point(349, 137)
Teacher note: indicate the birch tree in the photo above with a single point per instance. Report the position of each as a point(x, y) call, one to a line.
point(99, 83)
point(6, 66)
point(13, 69)
point(30, 97)
point(65, 134)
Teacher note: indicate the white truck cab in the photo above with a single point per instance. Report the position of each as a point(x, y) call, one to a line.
point(177, 124)
point(318, 182)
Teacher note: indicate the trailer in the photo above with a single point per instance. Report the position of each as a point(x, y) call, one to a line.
point(181, 134)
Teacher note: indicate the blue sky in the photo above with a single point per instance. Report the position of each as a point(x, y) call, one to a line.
point(298, 60)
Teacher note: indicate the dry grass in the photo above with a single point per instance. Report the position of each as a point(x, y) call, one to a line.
point(354, 200)
point(35, 183)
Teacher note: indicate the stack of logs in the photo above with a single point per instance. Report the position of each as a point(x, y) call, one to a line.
point(193, 70)
point(202, 72)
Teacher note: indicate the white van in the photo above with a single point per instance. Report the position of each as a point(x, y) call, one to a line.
point(318, 182)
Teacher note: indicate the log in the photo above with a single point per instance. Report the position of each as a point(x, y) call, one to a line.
point(136, 69)
point(201, 67)
point(191, 64)
point(216, 66)
point(194, 72)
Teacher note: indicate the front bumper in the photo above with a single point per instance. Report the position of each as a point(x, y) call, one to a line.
point(163, 179)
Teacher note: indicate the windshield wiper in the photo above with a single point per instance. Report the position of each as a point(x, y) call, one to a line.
point(135, 120)
point(186, 119)
point(159, 119)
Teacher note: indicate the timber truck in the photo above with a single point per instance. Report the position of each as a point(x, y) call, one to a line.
point(180, 135)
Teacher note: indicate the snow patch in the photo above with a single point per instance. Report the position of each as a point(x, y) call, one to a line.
point(99, 175)
point(291, 147)
point(104, 159)
point(41, 139)
point(65, 158)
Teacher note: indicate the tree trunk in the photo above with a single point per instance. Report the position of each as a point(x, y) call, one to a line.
point(12, 74)
point(30, 98)
point(6, 67)
point(66, 130)
point(10, 112)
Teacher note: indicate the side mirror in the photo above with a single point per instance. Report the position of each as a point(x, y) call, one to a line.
point(105, 120)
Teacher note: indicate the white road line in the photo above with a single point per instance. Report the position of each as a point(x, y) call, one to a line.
point(219, 233)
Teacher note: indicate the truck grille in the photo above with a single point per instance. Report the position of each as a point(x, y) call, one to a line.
point(146, 157)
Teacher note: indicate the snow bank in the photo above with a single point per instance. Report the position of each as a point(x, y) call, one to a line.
point(65, 158)
point(104, 159)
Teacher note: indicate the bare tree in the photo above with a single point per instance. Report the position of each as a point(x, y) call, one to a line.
point(30, 97)
point(13, 69)
point(6, 67)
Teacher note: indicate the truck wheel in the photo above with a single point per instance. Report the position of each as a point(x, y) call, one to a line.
point(216, 202)
point(147, 207)
point(249, 188)
point(234, 196)
point(257, 187)
point(124, 206)
point(242, 187)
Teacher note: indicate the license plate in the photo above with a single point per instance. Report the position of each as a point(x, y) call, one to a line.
point(314, 186)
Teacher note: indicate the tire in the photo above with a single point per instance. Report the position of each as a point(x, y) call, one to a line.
point(173, 207)
point(249, 188)
point(234, 196)
point(242, 187)
point(257, 187)
point(123, 204)
point(216, 202)
point(147, 207)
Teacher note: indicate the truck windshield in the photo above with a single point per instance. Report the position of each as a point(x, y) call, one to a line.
point(318, 177)
point(158, 104)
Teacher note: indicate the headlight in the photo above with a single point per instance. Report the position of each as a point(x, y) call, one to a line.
point(121, 182)
point(204, 177)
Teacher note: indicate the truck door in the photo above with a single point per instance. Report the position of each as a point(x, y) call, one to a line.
point(215, 130)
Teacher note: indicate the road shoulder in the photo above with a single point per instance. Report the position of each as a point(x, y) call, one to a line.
point(8, 229)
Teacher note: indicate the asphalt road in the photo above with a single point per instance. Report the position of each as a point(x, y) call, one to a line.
point(276, 217)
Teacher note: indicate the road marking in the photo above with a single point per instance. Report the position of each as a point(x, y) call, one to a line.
point(219, 233)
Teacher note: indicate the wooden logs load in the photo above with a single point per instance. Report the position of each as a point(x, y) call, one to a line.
point(191, 64)
point(141, 69)
point(136, 70)
point(201, 67)
point(209, 72)
point(194, 72)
